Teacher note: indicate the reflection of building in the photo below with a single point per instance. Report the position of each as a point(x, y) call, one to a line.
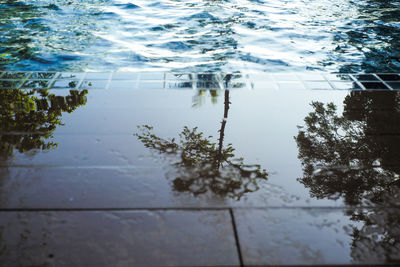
point(206, 83)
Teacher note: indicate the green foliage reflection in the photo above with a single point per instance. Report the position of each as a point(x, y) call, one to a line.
point(202, 165)
point(29, 117)
point(356, 156)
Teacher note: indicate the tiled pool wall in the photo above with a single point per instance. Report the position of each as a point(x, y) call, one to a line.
point(198, 81)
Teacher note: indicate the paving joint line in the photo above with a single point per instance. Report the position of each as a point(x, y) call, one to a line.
point(26, 78)
point(53, 80)
point(382, 81)
point(220, 208)
point(236, 235)
point(109, 81)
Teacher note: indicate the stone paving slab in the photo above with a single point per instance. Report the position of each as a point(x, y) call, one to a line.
point(124, 187)
point(317, 236)
point(117, 238)
point(84, 177)
point(113, 161)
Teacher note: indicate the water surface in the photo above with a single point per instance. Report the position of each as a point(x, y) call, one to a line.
point(230, 35)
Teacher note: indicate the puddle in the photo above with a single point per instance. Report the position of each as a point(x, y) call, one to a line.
point(251, 148)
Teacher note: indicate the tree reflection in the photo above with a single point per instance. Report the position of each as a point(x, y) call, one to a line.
point(202, 165)
point(353, 156)
point(28, 118)
point(356, 156)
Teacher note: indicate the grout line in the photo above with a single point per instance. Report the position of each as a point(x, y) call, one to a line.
point(24, 80)
point(230, 209)
point(239, 251)
point(379, 78)
point(329, 82)
point(275, 83)
point(357, 82)
point(78, 86)
point(109, 81)
point(77, 167)
point(52, 81)
point(112, 209)
point(165, 81)
point(303, 83)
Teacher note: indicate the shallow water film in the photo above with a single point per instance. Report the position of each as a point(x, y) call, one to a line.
point(199, 133)
point(230, 35)
point(168, 169)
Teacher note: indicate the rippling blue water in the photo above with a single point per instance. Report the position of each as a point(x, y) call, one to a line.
point(200, 35)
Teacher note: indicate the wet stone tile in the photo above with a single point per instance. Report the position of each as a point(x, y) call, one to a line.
point(394, 85)
point(338, 77)
point(389, 77)
point(318, 85)
point(65, 83)
point(128, 76)
point(153, 76)
point(10, 84)
point(81, 150)
point(280, 77)
point(374, 238)
point(366, 77)
point(290, 85)
point(152, 85)
point(129, 238)
point(92, 187)
point(181, 85)
point(101, 133)
point(259, 77)
point(36, 84)
point(83, 141)
point(374, 86)
point(179, 76)
point(71, 75)
point(293, 236)
point(42, 75)
point(97, 75)
point(346, 86)
point(265, 85)
point(94, 84)
point(14, 75)
point(311, 77)
point(123, 84)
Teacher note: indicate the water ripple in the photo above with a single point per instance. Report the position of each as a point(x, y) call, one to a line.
point(193, 35)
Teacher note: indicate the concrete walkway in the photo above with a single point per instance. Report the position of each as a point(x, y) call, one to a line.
point(170, 169)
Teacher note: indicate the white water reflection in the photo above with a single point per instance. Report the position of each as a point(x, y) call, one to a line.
point(206, 35)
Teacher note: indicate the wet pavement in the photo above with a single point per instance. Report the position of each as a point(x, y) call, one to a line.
point(163, 169)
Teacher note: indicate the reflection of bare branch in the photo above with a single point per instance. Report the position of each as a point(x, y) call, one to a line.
point(223, 124)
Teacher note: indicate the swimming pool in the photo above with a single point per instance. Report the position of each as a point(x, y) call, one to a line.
point(173, 35)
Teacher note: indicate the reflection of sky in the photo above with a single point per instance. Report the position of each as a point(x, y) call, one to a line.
point(261, 127)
